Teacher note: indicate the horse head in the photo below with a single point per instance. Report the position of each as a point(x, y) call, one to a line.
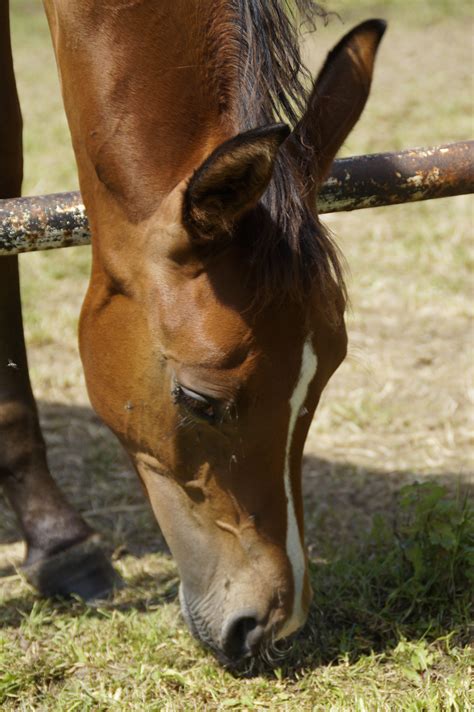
point(211, 325)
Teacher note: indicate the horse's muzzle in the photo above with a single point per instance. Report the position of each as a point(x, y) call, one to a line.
point(242, 634)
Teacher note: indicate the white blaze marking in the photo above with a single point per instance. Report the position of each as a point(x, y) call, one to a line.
point(294, 547)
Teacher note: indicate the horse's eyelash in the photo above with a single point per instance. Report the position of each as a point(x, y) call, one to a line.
point(219, 413)
point(203, 408)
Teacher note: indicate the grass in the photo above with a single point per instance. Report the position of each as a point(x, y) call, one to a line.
point(391, 624)
point(389, 630)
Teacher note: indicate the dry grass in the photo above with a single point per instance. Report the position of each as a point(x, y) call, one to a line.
point(400, 409)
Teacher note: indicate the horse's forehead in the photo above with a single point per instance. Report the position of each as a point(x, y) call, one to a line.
point(222, 332)
point(191, 316)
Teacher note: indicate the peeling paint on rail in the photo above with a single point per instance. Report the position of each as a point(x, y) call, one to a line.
point(382, 179)
point(59, 220)
point(42, 222)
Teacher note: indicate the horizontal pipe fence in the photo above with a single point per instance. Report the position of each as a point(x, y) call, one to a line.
point(59, 220)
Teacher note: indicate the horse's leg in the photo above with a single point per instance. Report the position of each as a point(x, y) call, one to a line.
point(62, 552)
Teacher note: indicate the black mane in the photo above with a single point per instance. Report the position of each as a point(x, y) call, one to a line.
point(274, 86)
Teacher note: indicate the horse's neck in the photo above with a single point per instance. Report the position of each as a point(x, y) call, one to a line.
point(141, 104)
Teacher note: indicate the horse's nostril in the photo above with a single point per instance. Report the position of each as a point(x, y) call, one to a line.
point(242, 636)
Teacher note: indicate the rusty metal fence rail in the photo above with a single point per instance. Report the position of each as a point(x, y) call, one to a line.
point(59, 220)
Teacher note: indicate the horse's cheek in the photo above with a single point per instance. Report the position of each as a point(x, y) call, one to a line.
point(126, 379)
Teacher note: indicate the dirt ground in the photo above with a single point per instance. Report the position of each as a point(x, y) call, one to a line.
point(400, 408)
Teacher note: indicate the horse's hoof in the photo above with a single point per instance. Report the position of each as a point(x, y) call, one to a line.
point(82, 570)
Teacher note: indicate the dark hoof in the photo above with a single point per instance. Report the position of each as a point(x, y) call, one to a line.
point(81, 570)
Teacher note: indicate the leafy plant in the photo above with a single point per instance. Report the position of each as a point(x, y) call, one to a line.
point(411, 579)
point(436, 536)
point(428, 567)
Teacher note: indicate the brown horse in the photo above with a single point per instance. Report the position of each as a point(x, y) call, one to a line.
point(214, 314)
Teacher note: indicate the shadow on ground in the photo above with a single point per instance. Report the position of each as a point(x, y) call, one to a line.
point(340, 502)
point(94, 472)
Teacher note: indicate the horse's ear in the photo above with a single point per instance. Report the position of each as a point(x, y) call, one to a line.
point(231, 181)
point(339, 95)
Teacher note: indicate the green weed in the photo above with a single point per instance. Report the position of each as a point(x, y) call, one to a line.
point(412, 578)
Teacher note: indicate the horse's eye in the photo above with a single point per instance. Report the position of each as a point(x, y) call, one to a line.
point(201, 406)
